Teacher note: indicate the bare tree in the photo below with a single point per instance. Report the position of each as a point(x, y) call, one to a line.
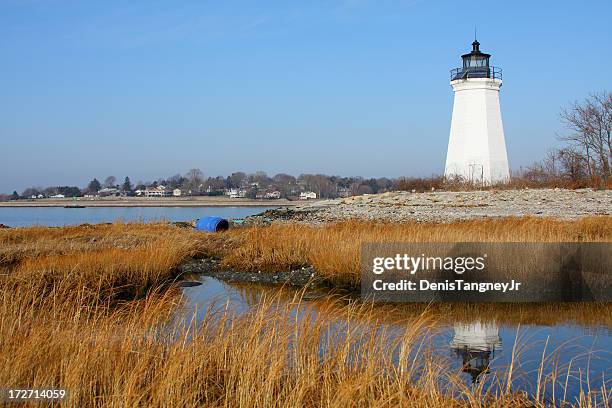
point(261, 178)
point(591, 124)
point(572, 163)
point(31, 191)
point(603, 101)
point(194, 178)
point(175, 181)
point(215, 184)
point(237, 178)
point(110, 181)
point(283, 179)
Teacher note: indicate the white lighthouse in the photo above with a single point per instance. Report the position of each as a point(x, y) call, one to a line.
point(476, 147)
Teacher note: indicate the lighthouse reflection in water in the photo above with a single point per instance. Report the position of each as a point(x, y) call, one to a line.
point(475, 343)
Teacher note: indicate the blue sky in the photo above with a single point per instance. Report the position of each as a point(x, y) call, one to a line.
point(152, 88)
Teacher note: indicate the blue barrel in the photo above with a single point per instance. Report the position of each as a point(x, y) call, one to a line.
point(212, 224)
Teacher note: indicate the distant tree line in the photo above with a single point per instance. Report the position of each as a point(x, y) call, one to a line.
point(194, 183)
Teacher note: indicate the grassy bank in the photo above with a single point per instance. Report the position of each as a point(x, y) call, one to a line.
point(334, 249)
point(88, 309)
point(104, 263)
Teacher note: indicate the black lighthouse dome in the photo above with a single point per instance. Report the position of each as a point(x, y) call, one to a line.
point(475, 65)
point(476, 58)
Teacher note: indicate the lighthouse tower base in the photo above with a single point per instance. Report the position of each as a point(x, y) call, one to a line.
point(477, 147)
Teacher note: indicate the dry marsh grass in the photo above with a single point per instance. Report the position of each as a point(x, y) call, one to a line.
point(269, 357)
point(334, 249)
point(255, 361)
point(88, 309)
point(104, 262)
point(17, 244)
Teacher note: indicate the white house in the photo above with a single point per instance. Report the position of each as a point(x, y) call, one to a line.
point(177, 192)
point(237, 193)
point(273, 195)
point(159, 191)
point(308, 195)
point(58, 196)
point(108, 191)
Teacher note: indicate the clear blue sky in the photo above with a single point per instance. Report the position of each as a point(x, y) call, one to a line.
point(153, 88)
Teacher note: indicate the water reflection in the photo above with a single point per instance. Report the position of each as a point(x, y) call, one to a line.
point(475, 343)
point(575, 335)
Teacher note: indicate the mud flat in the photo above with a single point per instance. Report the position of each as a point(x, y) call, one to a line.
point(446, 207)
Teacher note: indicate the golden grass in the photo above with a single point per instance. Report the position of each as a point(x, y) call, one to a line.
point(334, 249)
point(88, 309)
point(17, 244)
point(258, 360)
point(267, 358)
point(104, 263)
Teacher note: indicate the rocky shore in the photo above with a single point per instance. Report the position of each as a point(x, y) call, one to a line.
point(211, 267)
point(446, 207)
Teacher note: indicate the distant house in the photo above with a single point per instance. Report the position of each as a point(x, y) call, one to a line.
point(211, 190)
point(159, 191)
point(58, 196)
point(308, 195)
point(108, 191)
point(273, 195)
point(237, 193)
point(177, 192)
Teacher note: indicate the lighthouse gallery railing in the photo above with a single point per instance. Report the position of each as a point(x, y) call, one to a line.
point(476, 72)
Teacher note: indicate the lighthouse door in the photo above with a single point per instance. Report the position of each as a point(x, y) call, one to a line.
point(476, 173)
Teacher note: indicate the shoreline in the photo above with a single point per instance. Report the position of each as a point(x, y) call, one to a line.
point(446, 206)
point(149, 202)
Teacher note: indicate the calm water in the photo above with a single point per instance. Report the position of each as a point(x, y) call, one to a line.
point(477, 346)
point(57, 216)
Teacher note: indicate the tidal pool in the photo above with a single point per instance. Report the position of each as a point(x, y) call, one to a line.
point(476, 340)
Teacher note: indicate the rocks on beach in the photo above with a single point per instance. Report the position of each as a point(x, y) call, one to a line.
point(446, 206)
point(305, 276)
